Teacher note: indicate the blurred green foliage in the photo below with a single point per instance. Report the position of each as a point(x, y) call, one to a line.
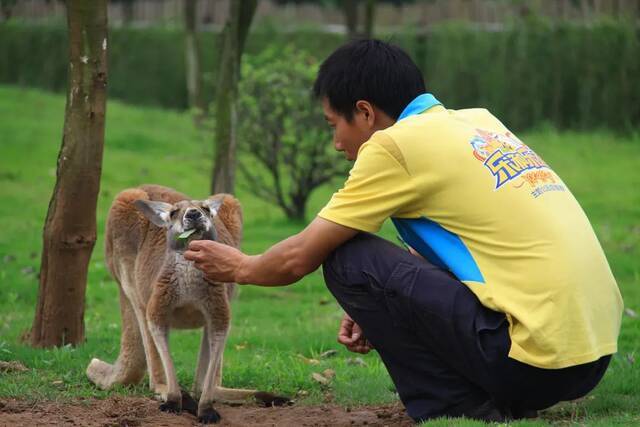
point(573, 75)
point(284, 140)
point(146, 66)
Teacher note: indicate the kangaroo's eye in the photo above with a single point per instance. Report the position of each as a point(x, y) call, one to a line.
point(173, 213)
point(206, 209)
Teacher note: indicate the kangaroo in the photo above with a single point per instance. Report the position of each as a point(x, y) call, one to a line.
point(146, 236)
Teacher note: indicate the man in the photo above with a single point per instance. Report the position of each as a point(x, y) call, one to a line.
point(504, 302)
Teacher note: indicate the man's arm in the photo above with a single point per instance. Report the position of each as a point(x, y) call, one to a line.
point(284, 263)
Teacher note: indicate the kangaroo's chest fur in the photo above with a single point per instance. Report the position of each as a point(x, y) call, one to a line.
point(189, 293)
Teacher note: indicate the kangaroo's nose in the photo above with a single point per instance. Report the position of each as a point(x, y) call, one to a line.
point(193, 214)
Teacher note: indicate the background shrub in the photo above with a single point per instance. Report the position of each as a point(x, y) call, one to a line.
point(286, 143)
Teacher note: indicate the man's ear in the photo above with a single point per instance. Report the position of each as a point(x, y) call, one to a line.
point(366, 109)
point(214, 204)
point(156, 212)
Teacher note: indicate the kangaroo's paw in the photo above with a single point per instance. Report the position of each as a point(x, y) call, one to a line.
point(100, 373)
point(174, 407)
point(160, 391)
point(189, 404)
point(208, 415)
point(269, 399)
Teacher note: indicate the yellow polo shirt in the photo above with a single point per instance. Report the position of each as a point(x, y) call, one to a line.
point(471, 197)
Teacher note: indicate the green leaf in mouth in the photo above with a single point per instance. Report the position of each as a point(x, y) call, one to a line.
point(186, 234)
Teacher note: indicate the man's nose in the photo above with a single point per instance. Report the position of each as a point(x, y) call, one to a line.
point(193, 214)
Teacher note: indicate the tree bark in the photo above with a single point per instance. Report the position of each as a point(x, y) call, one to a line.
point(192, 59)
point(70, 227)
point(127, 12)
point(369, 17)
point(6, 7)
point(235, 35)
point(350, 8)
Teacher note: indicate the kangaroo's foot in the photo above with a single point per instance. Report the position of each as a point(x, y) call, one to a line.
point(173, 403)
point(160, 391)
point(100, 373)
point(106, 375)
point(208, 415)
point(189, 404)
point(173, 406)
point(269, 399)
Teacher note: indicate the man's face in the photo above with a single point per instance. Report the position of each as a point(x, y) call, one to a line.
point(347, 136)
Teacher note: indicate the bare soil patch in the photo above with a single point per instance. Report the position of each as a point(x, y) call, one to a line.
point(137, 411)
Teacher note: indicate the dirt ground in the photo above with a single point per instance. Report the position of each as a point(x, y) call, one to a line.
point(135, 411)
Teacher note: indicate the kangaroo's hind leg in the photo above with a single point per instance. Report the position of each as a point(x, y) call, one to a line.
point(130, 366)
point(158, 312)
point(220, 394)
point(203, 364)
point(229, 395)
point(157, 381)
point(216, 337)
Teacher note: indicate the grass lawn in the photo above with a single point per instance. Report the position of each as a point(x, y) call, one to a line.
point(274, 331)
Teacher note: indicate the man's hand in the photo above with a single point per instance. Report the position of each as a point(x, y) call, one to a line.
point(219, 263)
point(284, 263)
point(351, 336)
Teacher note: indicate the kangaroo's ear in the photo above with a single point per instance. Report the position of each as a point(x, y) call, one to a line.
point(156, 212)
point(230, 213)
point(214, 205)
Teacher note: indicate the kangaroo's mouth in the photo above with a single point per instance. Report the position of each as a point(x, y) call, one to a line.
point(195, 233)
point(186, 234)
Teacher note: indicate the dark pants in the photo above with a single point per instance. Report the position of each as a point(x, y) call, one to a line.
point(445, 352)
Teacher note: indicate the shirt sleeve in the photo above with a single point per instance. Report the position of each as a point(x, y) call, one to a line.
point(378, 187)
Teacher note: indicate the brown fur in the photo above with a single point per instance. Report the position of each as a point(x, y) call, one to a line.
point(159, 290)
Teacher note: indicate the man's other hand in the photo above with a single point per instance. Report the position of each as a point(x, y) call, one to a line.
point(350, 335)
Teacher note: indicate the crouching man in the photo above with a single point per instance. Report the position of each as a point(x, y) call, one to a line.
point(504, 302)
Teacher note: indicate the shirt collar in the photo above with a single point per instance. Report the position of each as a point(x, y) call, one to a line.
point(419, 105)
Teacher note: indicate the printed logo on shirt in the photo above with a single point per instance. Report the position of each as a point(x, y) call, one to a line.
point(510, 160)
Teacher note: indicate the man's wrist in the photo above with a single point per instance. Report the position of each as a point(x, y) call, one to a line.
point(243, 270)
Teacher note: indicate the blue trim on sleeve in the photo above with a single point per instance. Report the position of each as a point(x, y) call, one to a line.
point(420, 104)
point(439, 246)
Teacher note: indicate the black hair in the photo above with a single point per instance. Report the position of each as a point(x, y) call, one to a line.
point(371, 70)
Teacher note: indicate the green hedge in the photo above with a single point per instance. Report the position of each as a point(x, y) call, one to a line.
point(146, 66)
point(570, 75)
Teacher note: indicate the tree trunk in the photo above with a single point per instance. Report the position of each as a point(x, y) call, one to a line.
point(369, 17)
point(6, 7)
point(235, 35)
point(127, 12)
point(192, 59)
point(350, 8)
point(70, 227)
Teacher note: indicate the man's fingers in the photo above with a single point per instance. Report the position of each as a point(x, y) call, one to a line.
point(344, 331)
point(199, 245)
point(362, 349)
point(196, 245)
point(345, 340)
point(191, 255)
point(357, 331)
point(351, 336)
point(345, 337)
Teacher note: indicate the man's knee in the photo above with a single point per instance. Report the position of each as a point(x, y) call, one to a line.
point(345, 256)
point(364, 254)
point(332, 270)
